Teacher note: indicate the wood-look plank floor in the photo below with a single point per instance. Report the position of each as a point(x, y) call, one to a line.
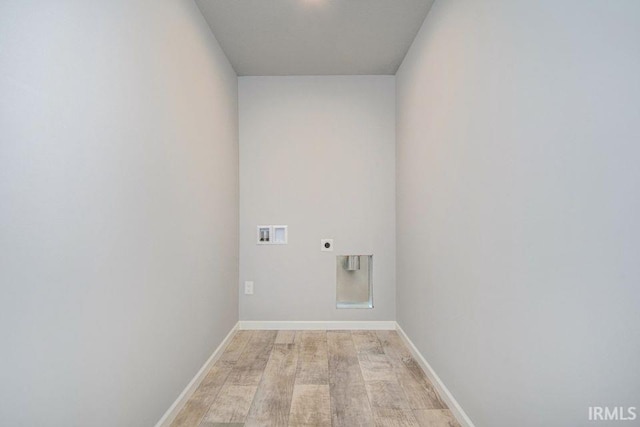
point(315, 378)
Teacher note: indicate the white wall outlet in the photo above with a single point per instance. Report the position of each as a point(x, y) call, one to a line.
point(326, 245)
point(248, 288)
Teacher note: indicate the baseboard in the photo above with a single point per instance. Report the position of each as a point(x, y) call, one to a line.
point(173, 411)
point(444, 392)
point(321, 324)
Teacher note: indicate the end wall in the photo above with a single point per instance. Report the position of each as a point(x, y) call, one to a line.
point(317, 154)
point(118, 208)
point(518, 206)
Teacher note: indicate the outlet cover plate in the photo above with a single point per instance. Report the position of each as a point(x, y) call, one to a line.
point(248, 288)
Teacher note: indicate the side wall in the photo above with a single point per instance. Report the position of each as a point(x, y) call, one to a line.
point(316, 154)
point(118, 208)
point(518, 203)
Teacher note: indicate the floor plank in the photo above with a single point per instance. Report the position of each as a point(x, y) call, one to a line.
point(285, 337)
point(272, 402)
point(250, 366)
point(376, 367)
point(435, 418)
point(420, 393)
point(310, 406)
point(237, 345)
point(387, 417)
point(373, 361)
point(419, 390)
point(198, 405)
point(386, 394)
point(231, 405)
point(349, 400)
point(367, 342)
point(313, 363)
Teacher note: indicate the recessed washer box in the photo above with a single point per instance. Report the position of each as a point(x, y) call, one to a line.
point(272, 235)
point(264, 234)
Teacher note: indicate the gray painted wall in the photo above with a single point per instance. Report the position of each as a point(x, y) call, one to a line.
point(118, 208)
point(518, 203)
point(316, 154)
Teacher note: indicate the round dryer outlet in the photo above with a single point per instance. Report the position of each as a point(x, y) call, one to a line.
point(326, 245)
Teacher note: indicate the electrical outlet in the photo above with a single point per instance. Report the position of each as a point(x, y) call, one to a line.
point(248, 288)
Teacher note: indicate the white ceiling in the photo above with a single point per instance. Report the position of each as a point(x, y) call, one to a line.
point(314, 37)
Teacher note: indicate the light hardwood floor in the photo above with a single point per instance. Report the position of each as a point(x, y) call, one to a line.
point(315, 378)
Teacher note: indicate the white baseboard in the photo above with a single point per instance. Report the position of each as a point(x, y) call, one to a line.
point(442, 390)
point(388, 325)
point(173, 411)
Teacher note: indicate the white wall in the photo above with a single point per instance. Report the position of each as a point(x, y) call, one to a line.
point(518, 205)
point(118, 208)
point(316, 154)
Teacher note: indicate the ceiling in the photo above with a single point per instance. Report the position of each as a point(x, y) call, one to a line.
point(315, 37)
